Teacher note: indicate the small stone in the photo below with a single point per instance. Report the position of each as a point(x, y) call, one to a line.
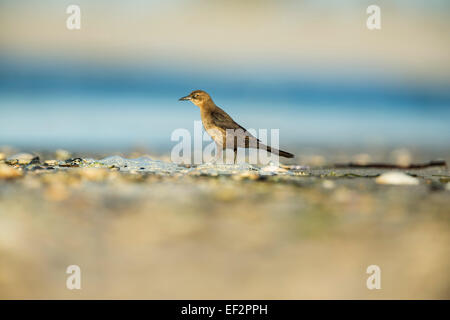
point(35, 168)
point(396, 178)
point(272, 169)
point(51, 162)
point(12, 161)
point(295, 167)
point(62, 154)
point(74, 162)
point(22, 158)
point(7, 172)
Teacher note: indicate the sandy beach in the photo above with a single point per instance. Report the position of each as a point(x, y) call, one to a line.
point(148, 228)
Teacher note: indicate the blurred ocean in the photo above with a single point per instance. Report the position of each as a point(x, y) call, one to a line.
point(67, 105)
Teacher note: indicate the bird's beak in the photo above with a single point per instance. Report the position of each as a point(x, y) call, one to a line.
point(185, 98)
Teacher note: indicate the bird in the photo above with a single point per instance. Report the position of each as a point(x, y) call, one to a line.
point(226, 133)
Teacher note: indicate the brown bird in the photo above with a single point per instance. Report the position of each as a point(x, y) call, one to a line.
point(226, 133)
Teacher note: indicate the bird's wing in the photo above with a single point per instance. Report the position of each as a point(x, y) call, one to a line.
point(224, 121)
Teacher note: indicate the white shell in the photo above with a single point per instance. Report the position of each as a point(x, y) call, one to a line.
point(396, 178)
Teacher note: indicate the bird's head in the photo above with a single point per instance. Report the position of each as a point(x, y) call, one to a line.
point(197, 97)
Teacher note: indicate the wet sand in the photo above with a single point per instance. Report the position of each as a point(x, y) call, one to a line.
point(161, 231)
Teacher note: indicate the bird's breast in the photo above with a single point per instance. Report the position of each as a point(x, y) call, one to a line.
point(215, 132)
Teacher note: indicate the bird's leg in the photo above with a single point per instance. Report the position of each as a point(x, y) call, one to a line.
point(219, 154)
point(235, 155)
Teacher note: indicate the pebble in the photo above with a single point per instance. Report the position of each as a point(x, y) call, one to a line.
point(249, 175)
point(51, 162)
point(74, 162)
point(7, 172)
point(272, 168)
point(296, 167)
point(22, 158)
point(396, 178)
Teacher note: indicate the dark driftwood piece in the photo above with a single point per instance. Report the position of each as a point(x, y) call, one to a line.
point(439, 163)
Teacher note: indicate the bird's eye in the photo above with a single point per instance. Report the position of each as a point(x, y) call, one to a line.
point(195, 96)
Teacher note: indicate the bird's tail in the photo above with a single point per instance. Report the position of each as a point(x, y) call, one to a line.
point(278, 152)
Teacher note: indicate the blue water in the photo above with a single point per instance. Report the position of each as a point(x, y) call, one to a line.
point(73, 105)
